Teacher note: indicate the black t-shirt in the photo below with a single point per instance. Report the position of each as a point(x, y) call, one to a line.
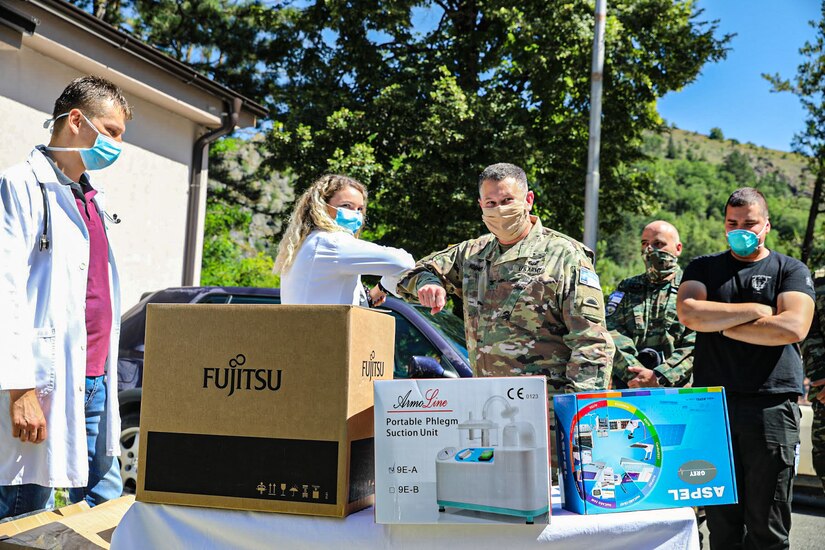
point(738, 366)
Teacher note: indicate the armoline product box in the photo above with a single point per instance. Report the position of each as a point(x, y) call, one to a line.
point(644, 449)
point(262, 407)
point(471, 450)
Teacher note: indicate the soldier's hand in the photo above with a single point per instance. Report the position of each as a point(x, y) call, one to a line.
point(27, 421)
point(645, 378)
point(377, 296)
point(432, 296)
point(821, 395)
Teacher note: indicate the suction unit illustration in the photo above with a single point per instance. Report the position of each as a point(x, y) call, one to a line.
point(501, 476)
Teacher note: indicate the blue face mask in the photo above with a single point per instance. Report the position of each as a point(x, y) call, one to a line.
point(743, 242)
point(100, 155)
point(351, 220)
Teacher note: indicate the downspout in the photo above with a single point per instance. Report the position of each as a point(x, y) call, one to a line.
point(196, 208)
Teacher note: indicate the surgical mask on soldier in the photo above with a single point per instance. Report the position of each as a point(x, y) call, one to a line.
point(100, 155)
point(744, 242)
point(659, 264)
point(506, 222)
point(351, 220)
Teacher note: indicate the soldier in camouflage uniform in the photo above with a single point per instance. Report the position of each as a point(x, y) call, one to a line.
point(813, 349)
point(652, 347)
point(532, 302)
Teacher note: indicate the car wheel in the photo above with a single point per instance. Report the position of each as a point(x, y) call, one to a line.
point(129, 445)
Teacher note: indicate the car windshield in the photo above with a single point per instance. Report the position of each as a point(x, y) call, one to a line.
point(450, 327)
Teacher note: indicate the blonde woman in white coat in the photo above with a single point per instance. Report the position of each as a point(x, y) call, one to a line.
point(321, 259)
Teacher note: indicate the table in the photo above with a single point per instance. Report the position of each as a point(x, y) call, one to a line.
point(172, 527)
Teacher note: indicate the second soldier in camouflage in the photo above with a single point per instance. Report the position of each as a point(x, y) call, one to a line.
point(652, 347)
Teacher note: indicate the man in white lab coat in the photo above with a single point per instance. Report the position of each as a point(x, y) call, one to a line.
point(60, 303)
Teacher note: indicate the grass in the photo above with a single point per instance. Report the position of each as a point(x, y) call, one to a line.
point(61, 498)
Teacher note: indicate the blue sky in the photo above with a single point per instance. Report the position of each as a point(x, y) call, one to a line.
point(731, 94)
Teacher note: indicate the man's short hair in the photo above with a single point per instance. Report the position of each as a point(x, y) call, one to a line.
point(502, 171)
point(747, 196)
point(89, 93)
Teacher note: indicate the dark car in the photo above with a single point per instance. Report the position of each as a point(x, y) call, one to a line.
point(417, 334)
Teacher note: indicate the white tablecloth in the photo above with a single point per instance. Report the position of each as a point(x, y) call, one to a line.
point(172, 527)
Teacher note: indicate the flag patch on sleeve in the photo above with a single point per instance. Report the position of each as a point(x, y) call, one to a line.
point(589, 278)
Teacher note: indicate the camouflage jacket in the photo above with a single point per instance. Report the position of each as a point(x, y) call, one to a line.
point(642, 314)
point(813, 347)
point(534, 308)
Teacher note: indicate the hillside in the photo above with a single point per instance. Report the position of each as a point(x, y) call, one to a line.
point(692, 175)
point(692, 146)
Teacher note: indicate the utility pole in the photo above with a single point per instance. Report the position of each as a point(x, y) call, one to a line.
point(591, 189)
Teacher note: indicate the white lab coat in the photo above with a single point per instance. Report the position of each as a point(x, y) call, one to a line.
point(43, 331)
point(328, 268)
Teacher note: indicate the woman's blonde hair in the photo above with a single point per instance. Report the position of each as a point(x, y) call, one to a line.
point(310, 213)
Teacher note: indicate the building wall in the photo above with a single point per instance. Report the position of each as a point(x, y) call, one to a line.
point(147, 187)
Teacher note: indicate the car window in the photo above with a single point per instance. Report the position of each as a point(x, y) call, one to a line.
point(409, 341)
point(214, 299)
point(450, 326)
point(240, 299)
point(260, 299)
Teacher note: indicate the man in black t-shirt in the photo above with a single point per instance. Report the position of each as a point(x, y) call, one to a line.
point(750, 307)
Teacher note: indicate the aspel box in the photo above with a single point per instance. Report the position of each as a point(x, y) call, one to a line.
point(644, 449)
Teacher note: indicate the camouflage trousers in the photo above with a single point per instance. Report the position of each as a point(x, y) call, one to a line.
point(818, 440)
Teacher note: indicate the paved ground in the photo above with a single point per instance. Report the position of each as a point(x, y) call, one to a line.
point(808, 531)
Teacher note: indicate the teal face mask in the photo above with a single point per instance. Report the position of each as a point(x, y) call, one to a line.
point(100, 155)
point(351, 220)
point(744, 242)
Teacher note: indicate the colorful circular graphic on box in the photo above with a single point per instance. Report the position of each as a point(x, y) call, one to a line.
point(616, 452)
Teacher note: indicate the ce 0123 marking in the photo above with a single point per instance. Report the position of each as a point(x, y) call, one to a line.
point(519, 393)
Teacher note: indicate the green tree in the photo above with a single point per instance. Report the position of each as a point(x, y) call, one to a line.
point(808, 85)
point(227, 40)
point(227, 259)
point(738, 165)
point(417, 110)
point(239, 177)
point(672, 149)
point(716, 133)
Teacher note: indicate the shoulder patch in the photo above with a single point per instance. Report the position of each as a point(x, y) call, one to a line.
point(615, 297)
point(589, 278)
point(613, 302)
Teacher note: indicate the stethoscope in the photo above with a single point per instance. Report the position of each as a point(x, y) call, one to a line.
point(45, 243)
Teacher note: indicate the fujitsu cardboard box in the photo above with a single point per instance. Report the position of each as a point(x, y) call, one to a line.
point(644, 449)
point(471, 450)
point(261, 407)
